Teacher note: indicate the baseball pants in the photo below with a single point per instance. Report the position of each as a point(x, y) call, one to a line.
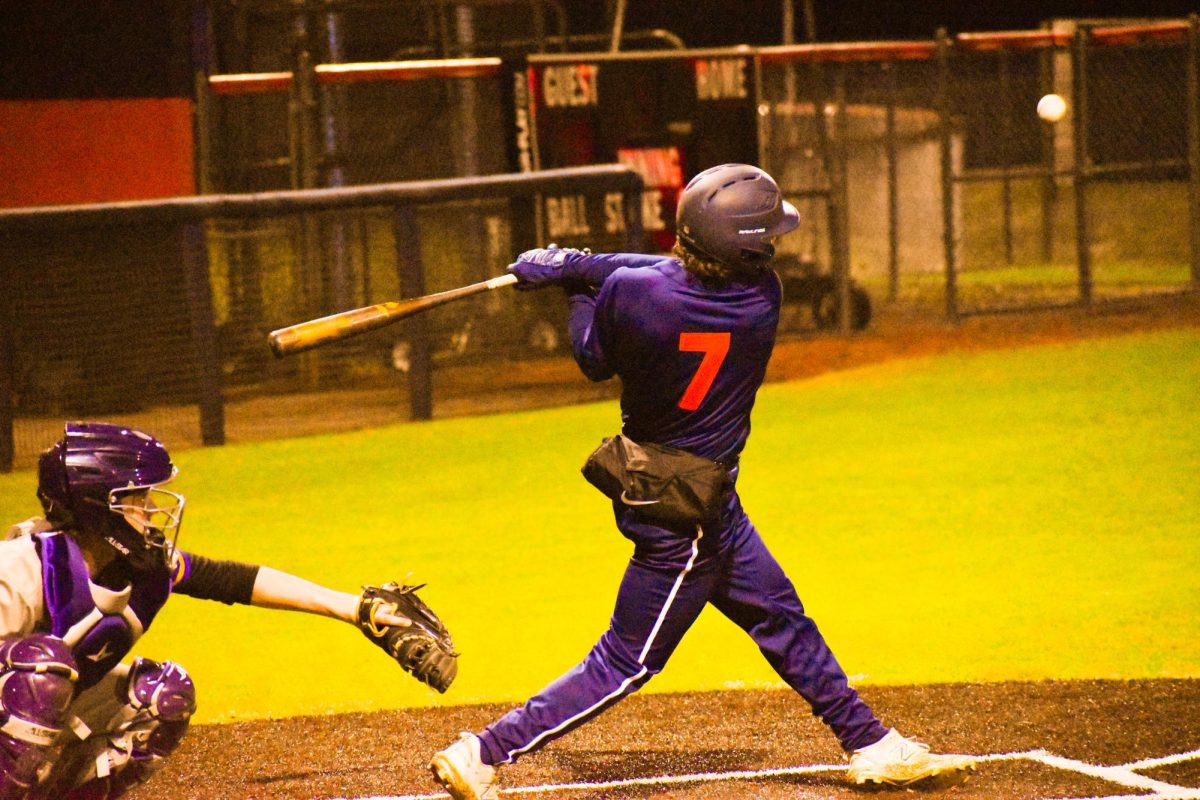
point(670, 578)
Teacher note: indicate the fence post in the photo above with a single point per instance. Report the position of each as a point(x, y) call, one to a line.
point(1006, 146)
point(412, 284)
point(838, 235)
point(841, 256)
point(948, 189)
point(1049, 188)
point(1194, 142)
point(306, 170)
point(202, 126)
point(1083, 253)
point(204, 334)
point(7, 364)
point(893, 193)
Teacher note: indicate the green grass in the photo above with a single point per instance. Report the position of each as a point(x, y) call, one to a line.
point(1122, 273)
point(1036, 283)
point(1009, 515)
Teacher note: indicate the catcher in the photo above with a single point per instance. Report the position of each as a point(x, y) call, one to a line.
point(79, 585)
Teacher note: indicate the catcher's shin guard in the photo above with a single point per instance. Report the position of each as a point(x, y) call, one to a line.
point(160, 700)
point(37, 682)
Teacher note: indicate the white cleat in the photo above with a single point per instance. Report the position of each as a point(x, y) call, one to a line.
point(899, 761)
point(461, 771)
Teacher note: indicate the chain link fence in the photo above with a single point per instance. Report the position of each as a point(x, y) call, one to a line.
point(1132, 155)
point(854, 140)
point(952, 190)
point(924, 174)
point(922, 169)
point(156, 313)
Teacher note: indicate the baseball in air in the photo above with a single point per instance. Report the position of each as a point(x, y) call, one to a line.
point(1052, 108)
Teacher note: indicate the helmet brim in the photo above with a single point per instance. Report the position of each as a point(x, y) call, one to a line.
point(788, 222)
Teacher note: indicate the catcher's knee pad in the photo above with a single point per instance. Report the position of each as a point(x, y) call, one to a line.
point(37, 683)
point(160, 700)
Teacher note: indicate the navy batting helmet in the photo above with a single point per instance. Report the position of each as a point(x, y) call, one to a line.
point(106, 480)
point(731, 213)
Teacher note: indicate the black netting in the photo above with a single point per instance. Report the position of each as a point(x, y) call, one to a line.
point(1137, 107)
point(100, 321)
point(903, 163)
point(165, 325)
point(892, 125)
point(877, 122)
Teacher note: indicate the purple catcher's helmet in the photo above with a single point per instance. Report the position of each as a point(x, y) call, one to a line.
point(731, 213)
point(106, 480)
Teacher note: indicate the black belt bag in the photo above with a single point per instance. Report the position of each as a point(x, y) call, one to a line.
point(665, 485)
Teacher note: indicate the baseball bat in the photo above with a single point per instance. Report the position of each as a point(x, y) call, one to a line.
point(307, 335)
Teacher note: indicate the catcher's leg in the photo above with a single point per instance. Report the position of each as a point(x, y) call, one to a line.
point(665, 587)
point(37, 681)
point(760, 598)
point(141, 713)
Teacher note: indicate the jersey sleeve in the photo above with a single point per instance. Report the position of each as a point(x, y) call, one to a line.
point(591, 321)
point(584, 345)
point(204, 578)
point(21, 602)
point(594, 268)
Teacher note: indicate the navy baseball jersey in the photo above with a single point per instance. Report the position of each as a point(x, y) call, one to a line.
point(690, 357)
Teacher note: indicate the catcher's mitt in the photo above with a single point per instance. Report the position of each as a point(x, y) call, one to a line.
point(424, 648)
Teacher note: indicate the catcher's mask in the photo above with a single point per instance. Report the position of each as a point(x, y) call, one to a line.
point(106, 480)
point(732, 214)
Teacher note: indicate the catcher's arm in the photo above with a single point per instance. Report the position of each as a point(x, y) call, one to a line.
point(282, 590)
point(391, 616)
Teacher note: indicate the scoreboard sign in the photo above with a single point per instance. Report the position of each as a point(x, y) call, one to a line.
point(665, 115)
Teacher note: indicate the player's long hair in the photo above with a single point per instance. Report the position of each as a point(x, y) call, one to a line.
point(711, 273)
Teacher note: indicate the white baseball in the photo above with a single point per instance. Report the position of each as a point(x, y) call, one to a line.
point(1052, 108)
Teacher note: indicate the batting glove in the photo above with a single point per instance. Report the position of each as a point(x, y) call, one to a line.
point(542, 266)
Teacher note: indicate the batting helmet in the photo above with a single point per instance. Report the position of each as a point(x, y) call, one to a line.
point(106, 480)
point(731, 213)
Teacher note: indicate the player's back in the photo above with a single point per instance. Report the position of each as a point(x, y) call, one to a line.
point(690, 357)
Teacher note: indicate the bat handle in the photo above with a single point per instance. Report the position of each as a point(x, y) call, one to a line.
point(507, 279)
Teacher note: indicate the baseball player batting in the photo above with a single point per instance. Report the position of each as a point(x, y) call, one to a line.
point(689, 336)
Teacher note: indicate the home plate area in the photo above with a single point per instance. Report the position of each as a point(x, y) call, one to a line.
point(1045, 740)
point(1124, 776)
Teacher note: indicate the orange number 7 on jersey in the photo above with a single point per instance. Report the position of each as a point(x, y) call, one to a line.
point(715, 347)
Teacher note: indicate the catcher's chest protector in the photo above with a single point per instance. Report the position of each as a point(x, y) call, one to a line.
point(98, 625)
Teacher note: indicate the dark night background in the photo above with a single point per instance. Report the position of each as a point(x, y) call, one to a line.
point(704, 23)
point(91, 48)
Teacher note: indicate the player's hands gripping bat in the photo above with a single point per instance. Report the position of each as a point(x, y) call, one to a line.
point(307, 335)
point(424, 647)
point(543, 266)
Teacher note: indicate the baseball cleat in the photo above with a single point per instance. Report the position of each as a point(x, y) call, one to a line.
point(462, 772)
point(898, 761)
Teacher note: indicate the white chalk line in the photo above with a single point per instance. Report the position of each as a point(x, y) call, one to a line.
point(1120, 775)
point(1123, 774)
point(1148, 763)
point(1126, 774)
point(664, 780)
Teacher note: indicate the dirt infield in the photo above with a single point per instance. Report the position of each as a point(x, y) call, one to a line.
point(1038, 740)
point(1086, 739)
